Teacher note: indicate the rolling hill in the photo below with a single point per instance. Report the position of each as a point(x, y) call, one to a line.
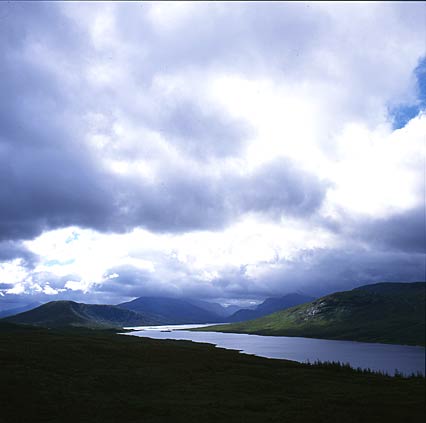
point(270, 305)
point(56, 314)
point(384, 312)
point(172, 310)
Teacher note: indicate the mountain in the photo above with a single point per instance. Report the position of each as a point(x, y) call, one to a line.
point(72, 314)
point(16, 310)
point(218, 309)
point(384, 312)
point(231, 309)
point(270, 305)
point(172, 310)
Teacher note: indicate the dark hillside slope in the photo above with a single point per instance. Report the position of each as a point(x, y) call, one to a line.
point(218, 309)
point(385, 312)
point(172, 310)
point(71, 314)
point(270, 305)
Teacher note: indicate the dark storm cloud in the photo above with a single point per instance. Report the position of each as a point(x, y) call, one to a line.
point(316, 272)
point(184, 200)
point(373, 250)
point(4, 286)
point(201, 133)
point(34, 97)
point(134, 282)
point(10, 250)
point(279, 188)
point(48, 188)
point(321, 271)
point(403, 231)
point(48, 177)
point(51, 178)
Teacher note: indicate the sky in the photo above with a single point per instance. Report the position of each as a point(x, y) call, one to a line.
point(222, 151)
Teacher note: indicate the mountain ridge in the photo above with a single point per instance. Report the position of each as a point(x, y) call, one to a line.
point(385, 312)
point(172, 310)
point(62, 313)
point(270, 305)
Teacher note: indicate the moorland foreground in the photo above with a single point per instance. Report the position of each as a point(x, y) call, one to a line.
point(100, 376)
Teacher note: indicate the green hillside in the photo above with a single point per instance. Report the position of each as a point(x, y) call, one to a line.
point(385, 312)
point(269, 306)
point(71, 314)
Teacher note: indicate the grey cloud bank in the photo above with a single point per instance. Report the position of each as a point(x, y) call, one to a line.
point(108, 123)
point(51, 178)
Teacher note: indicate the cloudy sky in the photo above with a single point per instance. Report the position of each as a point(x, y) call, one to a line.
point(225, 151)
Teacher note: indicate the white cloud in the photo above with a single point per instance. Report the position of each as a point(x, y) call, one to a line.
point(48, 290)
point(77, 286)
point(13, 272)
point(378, 172)
point(169, 17)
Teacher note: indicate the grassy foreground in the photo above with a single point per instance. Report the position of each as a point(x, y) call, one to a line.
point(94, 376)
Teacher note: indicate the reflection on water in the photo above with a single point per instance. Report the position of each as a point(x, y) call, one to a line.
point(383, 357)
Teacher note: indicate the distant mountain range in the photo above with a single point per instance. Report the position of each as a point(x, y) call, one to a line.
point(218, 309)
point(58, 314)
point(270, 305)
point(142, 311)
point(175, 311)
point(181, 311)
point(384, 312)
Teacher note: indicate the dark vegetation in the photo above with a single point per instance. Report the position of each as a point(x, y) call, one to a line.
point(78, 375)
point(386, 312)
point(58, 314)
point(341, 366)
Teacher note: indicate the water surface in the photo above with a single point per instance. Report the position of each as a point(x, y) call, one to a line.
point(383, 357)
